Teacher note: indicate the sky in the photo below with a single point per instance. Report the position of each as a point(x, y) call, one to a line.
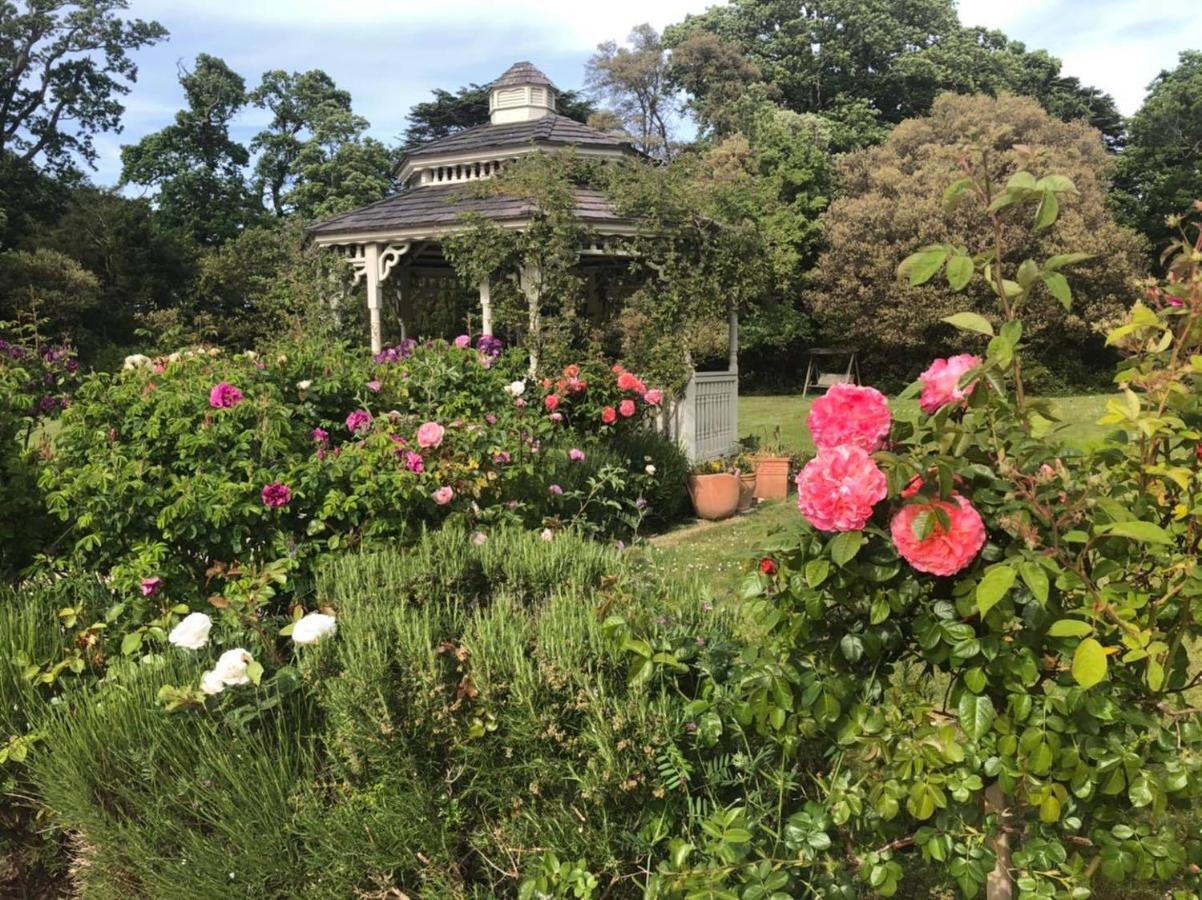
point(391, 53)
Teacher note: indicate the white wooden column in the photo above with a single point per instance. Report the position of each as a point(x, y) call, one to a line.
point(371, 257)
point(486, 308)
point(733, 346)
point(531, 278)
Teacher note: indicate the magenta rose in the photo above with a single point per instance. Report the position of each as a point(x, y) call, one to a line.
point(359, 421)
point(224, 396)
point(276, 494)
point(151, 586)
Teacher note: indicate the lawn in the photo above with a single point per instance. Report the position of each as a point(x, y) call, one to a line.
point(718, 552)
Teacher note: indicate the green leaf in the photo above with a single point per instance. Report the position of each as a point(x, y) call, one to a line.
point(1060, 260)
point(1069, 628)
point(1057, 286)
point(976, 714)
point(1089, 663)
point(131, 643)
point(993, 587)
point(1049, 809)
point(816, 571)
point(1021, 181)
point(969, 321)
point(959, 271)
point(920, 267)
point(1058, 183)
point(845, 546)
point(1046, 212)
point(953, 192)
point(254, 671)
point(1144, 532)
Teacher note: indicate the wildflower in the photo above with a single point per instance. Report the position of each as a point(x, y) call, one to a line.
point(479, 538)
point(358, 421)
point(551, 401)
point(224, 396)
point(276, 494)
point(649, 469)
point(941, 552)
point(151, 586)
point(501, 457)
point(490, 419)
point(640, 502)
point(192, 632)
point(443, 495)
point(838, 488)
point(609, 415)
point(303, 386)
point(626, 408)
point(231, 670)
point(555, 489)
point(941, 381)
point(374, 386)
point(430, 434)
point(849, 414)
point(546, 534)
point(312, 627)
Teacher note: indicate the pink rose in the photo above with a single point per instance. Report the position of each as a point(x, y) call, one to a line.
point(609, 415)
point(941, 381)
point(838, 488)
point(940, 552)
point(463, 341)
point(626, 408)
point(628, 382)
point(443, 495)
point(224, 396)
point(576, 454)
point(430, 434)
point(653, 397)
point(414, 462)
point(373, 386)
point(551, 401)
point(276, 495)
point(849, 414)
point(359, 421)
point(151, 586)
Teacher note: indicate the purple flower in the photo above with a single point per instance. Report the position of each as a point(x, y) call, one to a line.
point(640, 502)
point(488, 345)
point(414, 462)
point(373, 386)
point(555, 489)
point(576, 454)
point(501, 457)
point(490, 419)
point(320, 435)
point(151, 586)
point(224, 395)
point(359, 421)
point(403, 350)
point(276, 494)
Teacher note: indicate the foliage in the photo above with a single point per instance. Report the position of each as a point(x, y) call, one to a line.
point(194, 163)
point(68, 65)
point(890, 203)
point(1041, 690)
point(1159, 173)
point(634, 81)
point(467, 107)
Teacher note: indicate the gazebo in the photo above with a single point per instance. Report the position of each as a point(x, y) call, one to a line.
point(397, 239)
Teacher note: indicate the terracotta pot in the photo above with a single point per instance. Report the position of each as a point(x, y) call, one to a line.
point(746, 490)
point(772, 478)
point(714, 496)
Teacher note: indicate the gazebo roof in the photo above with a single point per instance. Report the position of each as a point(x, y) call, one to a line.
point(440, 208)
point(551, 129)
point(522, 73)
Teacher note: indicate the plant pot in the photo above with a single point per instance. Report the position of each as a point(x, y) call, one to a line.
point(746, 490)
point(772, 478)
point(714, 496)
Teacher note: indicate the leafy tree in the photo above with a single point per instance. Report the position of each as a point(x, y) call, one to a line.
point(50, 291)
point(450, 112)
point(313, 156)
point(716, 75)
point(64, 65)
point(1159, 174)
point(868, 229)
point(634, 81)
point(194, 163)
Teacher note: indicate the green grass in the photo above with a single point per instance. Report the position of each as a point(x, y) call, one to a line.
point(760, 416)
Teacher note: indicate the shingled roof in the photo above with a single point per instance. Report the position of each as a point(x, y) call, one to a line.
point(439, 206)
point(549, 129)
point(522, 73)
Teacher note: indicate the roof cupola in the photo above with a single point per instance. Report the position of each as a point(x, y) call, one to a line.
point(521, 94)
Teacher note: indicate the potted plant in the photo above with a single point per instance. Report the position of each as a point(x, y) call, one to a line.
point(772, 470)
point(714, 490)
point(744, 465)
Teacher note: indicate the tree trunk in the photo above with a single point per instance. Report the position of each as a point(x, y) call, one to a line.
point(998, 885)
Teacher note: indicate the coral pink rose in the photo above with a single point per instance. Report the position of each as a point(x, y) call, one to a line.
point(626, 408)
point(849, 414)
point(443, 495)
point(430, 434)
point(609, 415)
point(941, 381)
point(838, 488)
point(940, 552)
point(628, 382)
point(551, 401)
point(653, 397)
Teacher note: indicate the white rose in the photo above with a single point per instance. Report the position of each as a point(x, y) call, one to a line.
point(650, 470)
point(214, 351)
point(250, 354)
point(516, 388)
point(211, 683)
point(313, 628)
point(304, 385)
point(175, 357)
point(547, 534)
point(231, 667)
point(136, 361)
point(192, 633)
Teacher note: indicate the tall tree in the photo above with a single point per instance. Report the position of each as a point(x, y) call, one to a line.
point(634, 80)
point(450, 112)
point(195, 164)
point(1159, 174)
point(63, 66)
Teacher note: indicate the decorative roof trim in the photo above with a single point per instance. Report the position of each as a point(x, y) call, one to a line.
point(624, 228)
point(501, 152)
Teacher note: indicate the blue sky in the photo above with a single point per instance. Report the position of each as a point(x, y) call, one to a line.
point(390, 53)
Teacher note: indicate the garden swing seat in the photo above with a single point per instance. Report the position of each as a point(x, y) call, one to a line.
point(826, 368)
